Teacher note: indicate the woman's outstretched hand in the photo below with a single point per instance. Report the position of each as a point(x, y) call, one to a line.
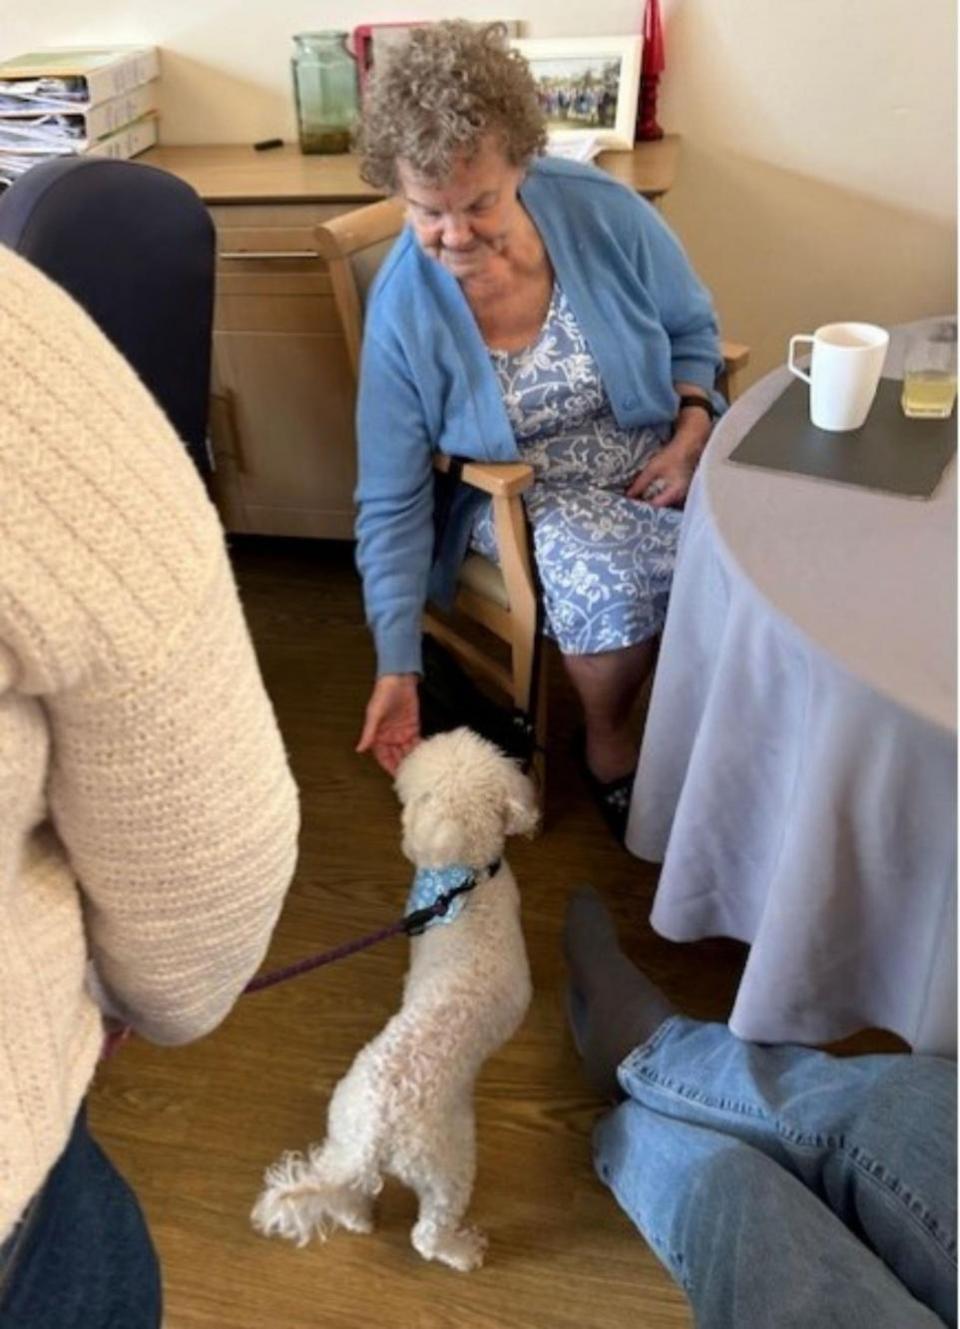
point(391, 726)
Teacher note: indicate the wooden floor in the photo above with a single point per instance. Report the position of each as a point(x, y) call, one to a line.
point(193, 1128)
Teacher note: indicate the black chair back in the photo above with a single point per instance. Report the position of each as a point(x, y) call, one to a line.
point(135, 247)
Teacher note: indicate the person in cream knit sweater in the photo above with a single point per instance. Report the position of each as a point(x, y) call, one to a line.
point(148, 818)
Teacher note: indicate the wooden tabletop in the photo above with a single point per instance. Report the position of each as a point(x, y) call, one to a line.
point(650, 168)
point(235, 173)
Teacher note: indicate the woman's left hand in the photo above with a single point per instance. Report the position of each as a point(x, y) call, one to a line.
point(666, 478)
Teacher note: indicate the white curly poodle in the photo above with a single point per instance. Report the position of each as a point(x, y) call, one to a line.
point(405, 1107)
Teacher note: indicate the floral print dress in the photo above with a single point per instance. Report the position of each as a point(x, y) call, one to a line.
point(605, 561)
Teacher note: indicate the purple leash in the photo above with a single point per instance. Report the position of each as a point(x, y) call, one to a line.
point(411, 924)
point(116, 1037)
point(274, 976)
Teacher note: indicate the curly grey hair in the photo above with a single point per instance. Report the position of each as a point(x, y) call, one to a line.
point(439, 95)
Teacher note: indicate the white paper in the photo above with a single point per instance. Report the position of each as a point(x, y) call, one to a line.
point(574, 147)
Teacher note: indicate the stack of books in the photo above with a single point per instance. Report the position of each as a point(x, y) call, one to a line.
point(101, 102)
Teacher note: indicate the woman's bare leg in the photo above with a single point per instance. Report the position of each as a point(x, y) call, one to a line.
point(608, 685)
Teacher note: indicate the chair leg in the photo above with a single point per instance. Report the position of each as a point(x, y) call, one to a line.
point(541, 704)
point(510, 523)
point(529, 695)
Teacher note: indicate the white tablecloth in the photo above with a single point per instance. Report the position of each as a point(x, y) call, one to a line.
point(798, 770)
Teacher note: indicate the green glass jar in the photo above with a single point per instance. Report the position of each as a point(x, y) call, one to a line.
point(325, 88)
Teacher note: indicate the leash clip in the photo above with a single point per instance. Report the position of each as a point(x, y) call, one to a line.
point(415, 924)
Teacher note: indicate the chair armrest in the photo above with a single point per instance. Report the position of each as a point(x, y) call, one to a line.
point(502, 479)
point(343, 236)
point(735, 355)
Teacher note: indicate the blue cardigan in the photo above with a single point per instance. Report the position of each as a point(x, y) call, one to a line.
point(427, 382)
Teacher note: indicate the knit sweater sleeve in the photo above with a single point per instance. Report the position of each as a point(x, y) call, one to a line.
point(168, 786)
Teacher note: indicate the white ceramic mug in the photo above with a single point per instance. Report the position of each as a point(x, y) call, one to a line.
point(844, 372)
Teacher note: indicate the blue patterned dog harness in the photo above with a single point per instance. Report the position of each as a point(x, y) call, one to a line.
point(429, 884)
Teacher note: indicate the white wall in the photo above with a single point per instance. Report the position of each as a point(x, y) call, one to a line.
point(818, 179)
point(818, 175)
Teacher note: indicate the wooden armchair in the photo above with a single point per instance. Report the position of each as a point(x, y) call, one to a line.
point(501, 600)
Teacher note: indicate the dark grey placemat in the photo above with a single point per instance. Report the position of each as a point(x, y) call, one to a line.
point(889, 452)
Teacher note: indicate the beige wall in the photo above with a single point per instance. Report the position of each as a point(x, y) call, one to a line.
point(818, 177)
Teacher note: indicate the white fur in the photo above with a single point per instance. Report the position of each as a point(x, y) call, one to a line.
point(405, 1107)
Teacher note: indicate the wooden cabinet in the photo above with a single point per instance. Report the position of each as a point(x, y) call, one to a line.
point(282, 396)
point(281, 417)
point(281, 410)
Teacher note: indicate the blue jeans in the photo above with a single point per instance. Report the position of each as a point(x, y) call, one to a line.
point(785, 1187)
point(81, 1258)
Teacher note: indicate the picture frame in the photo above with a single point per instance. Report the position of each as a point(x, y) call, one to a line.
point(588, 86)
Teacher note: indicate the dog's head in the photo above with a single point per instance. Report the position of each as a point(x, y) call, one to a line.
point(461, 799)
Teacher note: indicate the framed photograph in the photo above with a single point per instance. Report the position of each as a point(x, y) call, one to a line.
point(588, 86)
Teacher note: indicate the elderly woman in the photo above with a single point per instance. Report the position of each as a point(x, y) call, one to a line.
point(536, 310)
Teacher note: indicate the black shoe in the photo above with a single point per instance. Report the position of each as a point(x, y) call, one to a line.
point(612, 797)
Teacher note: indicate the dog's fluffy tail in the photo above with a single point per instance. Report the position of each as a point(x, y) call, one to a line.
point(305, 1196)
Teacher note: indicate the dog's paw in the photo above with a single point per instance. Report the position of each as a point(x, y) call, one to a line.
point(462, 1250)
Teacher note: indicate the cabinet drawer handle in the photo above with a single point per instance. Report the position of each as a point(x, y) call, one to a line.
point(247, 254)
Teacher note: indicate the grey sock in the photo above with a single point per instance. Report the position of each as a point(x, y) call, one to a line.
point(612, 1005)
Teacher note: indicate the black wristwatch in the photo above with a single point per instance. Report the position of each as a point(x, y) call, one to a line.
point(704, 403)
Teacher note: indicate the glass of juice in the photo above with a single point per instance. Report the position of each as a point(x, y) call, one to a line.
point(930, 372)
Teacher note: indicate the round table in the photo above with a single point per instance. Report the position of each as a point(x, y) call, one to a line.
point(798, 771)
